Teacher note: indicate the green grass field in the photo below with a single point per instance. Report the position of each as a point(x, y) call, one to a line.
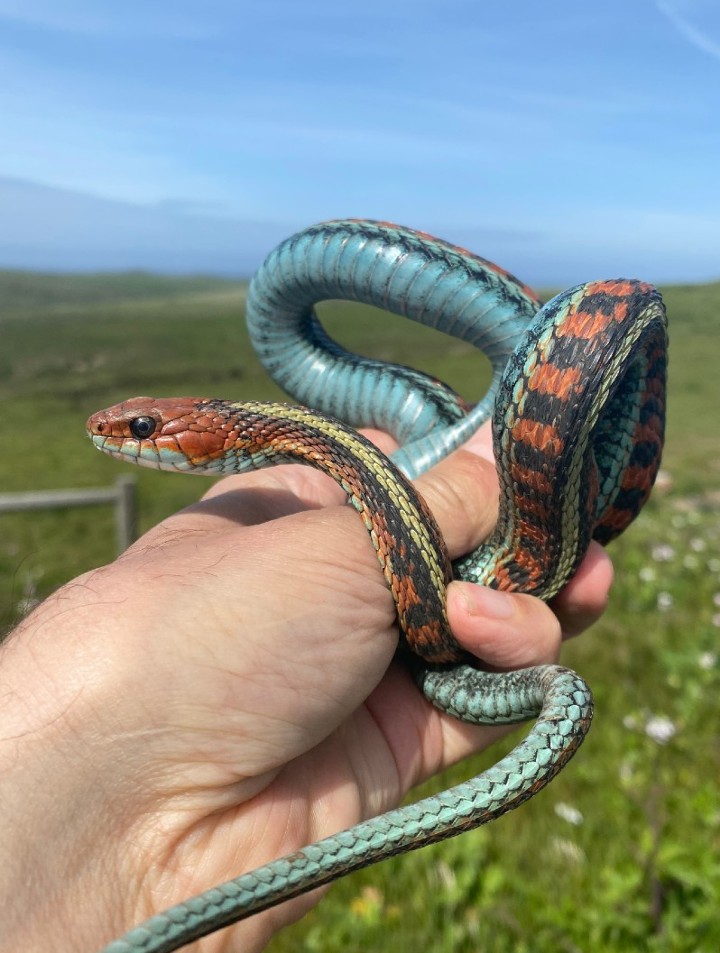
point(622, 852)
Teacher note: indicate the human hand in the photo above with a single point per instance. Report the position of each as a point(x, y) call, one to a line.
point(224, 693)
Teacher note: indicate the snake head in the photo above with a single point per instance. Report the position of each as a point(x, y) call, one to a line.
point(169, 433)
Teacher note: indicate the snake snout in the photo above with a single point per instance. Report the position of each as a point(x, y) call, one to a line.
point(97, 425)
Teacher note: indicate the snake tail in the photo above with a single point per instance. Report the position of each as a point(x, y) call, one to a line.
point(565, 718)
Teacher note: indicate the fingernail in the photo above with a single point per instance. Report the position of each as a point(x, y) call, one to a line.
point(490, 603)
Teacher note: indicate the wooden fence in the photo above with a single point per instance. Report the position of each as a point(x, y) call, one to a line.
point(123, 496)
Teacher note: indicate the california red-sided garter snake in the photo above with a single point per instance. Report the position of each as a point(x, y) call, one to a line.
point(578, 404)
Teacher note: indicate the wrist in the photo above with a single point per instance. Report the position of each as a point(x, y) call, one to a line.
point(63, 819)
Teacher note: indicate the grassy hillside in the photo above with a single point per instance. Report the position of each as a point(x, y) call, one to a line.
point(23, 291)
point(623, 851)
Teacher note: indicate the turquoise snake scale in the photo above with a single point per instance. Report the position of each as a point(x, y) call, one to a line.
point(578, 406)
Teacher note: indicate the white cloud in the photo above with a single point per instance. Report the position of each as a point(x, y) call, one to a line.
point(54, 228)
point(44, 227)
point(682, 16)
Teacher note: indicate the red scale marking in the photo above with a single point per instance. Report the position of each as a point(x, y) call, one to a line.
point(584, 325)
point(522, 476)
point(543, 437)
point(503, 580)
point(549, 379)
point(637, 478)
point(647, 432)
point(616, 519)
point(656, 387)
point(536, 506)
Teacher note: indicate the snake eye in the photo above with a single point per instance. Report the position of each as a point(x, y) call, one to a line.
point(142, 427)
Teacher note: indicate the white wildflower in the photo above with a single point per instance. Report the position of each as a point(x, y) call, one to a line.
point(660, 729)
point(716, 599)
point(665, 601)
point(568, 850)
point(707, 660)
point(663, 480)
point(630, 722)
point(716, 620)
point(690, 561)
point(569, 813)
point(713, 565)
point(662, 553)
point(697, 544)
point(647, 574)
point(446, 875)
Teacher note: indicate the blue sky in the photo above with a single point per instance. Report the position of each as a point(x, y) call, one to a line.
point(565, 140)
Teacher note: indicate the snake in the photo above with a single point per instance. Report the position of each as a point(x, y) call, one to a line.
point(577, 400)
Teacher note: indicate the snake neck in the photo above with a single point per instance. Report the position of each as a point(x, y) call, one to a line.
point(218, 437)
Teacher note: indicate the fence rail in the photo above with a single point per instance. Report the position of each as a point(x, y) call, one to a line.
point(123, 496)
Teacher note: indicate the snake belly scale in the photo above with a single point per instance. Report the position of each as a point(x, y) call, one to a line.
point(579, 397)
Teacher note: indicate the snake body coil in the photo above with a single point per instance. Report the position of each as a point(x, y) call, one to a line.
point(405, 272)
point(578, 429)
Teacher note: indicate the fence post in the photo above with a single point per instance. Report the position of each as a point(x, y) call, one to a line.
point(122, 495)
point(125, 512)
